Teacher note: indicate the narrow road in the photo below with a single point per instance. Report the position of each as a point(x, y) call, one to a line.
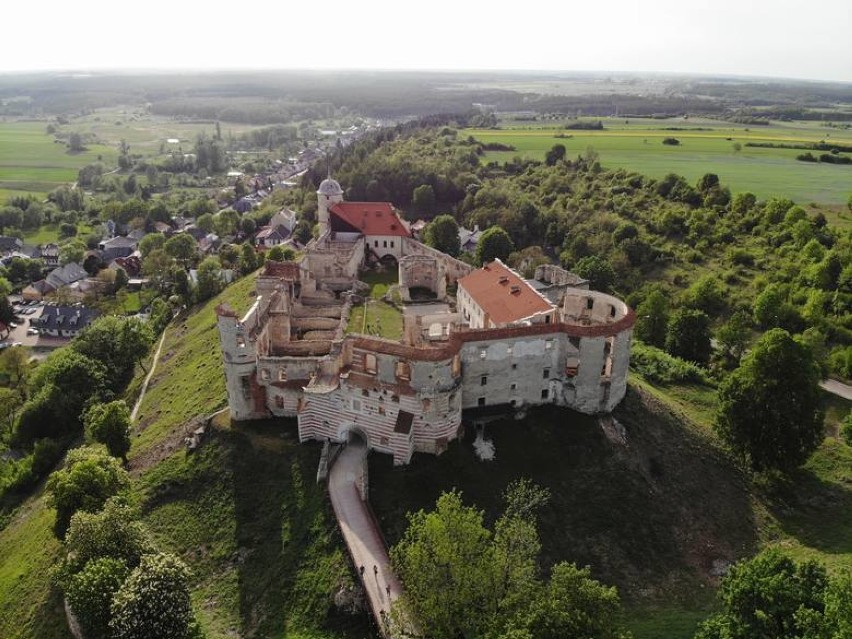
point(837, 388)
point(361, 533)
point(148, 378)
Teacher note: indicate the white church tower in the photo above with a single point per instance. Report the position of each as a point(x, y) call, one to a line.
point(328, 194)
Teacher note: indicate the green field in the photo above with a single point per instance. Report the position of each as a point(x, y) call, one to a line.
point(31, 162)
point(706, 146)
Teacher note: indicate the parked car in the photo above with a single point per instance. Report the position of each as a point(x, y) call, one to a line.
point(13, 325)
point(32, 331)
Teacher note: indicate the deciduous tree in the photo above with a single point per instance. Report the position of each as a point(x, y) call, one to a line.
point(442, 233)
point(770, 412)
point(494, 243)
point(688, 336)
point(109, 424)
point(153, 603)
point(90, 477)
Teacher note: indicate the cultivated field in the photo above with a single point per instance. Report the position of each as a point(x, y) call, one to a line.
point(706, 146)
point(31, 162)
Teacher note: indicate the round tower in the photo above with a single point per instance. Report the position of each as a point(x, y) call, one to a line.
point(328, 194)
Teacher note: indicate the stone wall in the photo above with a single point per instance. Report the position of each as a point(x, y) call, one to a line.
point(455, 269)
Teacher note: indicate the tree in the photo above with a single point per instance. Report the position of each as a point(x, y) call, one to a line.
point(276, 254)
point(209, 279)
point(555, 154)
point(442, 233)
point(575, 605)
point(227, 222)
point(597, 270)
point(248, 259)
point(769, 595)
point(89, 478)
point(652, 317)
point(445, 560)
point(7, 313)
point(688, 336)
point(733, 337)
point(181, 247)
point(770, 411)
point(205, 222)
point(247, 225)
point(72, 252)
point(10, 403)
point(118, 343)
point(90, 593)
point(153, 603)
point(151, 242)
point(706, 294)
point(115, 532)
point(75, 143)
point(494, 243)
point(109, 424)
point(423, 198)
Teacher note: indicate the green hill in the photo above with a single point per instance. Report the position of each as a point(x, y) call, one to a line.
point(657, 515)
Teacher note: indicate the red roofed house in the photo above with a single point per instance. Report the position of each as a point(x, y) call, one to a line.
point(495, 296)
point(378, 222)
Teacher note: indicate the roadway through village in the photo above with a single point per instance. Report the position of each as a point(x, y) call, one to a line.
point(361, 533)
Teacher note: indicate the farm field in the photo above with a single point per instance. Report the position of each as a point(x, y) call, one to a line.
point(32, 163)
point(706, 146)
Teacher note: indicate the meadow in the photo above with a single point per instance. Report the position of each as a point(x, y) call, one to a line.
point(706, 146)
point(31, 162)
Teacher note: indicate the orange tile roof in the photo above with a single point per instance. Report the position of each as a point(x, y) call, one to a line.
point(370, 218)
point(502, 295)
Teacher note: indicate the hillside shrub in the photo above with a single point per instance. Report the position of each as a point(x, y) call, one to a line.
point(656, 365)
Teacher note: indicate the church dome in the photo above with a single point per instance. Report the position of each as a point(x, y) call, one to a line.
point(330, 187)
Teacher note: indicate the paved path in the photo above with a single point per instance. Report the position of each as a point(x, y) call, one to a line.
point(147, 378)
point(837, 388)
point(361, 532)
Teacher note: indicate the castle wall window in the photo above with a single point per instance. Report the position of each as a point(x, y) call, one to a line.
point(370, 363)
point(548, 344)
point(282, 374)
point(545, 393)
point(376, 243)
point(384, 243)
point(391, 243)
point(279, 401)
point(241, 341)
point(513, 387)
point(480, 401)
point(403, 370)
point(590, 303)
point(483, 381)
point(356, 405)
point(509, 350)
point(546, 373)
point(264, 374)
point(482, 353)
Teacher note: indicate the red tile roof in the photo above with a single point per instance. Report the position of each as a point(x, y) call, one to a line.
point(369, 218)
point(502, 295)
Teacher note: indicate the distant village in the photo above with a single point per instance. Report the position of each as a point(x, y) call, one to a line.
point(52, 309)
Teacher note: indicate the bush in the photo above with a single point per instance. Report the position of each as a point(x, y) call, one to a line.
point(846, 429)
point(671, 141)
point(658, 366)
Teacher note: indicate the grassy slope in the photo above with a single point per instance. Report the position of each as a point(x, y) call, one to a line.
point(244, 512)
point(651, 517)
point(28, 605)
point(638, 146)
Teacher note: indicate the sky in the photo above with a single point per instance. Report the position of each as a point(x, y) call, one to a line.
point(779, 38)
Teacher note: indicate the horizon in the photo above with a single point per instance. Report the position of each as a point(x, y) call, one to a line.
point(725, 38)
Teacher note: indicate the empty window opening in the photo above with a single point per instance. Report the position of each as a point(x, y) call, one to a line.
point(282, 374)
point(513, 387)
point(590, 303)
point(370, 363)
point(546, 373)
point(264, 374)
point(480, 401)
point(483, 380)
point(548, 344)
point(545, 393)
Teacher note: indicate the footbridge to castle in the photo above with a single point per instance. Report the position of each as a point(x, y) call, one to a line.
point(347, 481)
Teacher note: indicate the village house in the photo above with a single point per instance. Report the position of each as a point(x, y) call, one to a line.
point(64, 321)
